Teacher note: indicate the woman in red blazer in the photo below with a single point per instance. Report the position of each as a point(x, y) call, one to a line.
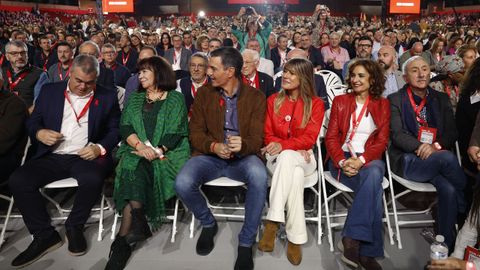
point(357, 136)
point(292, 123)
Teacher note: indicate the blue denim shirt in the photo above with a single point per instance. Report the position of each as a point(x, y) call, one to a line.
point(231, 115)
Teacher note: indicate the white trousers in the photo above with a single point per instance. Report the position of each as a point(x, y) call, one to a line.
point(286, 192)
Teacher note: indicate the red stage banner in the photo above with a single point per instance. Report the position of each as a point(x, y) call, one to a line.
point(113, 6)
point(405, 6)
point(261, 2)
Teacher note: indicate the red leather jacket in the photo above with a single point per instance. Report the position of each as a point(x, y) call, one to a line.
point(340, 119)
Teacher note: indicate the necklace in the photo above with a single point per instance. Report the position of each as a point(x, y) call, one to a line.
point(152, 100)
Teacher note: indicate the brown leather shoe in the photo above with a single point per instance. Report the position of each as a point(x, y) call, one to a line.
point(267, 242)
point(369, 263)
point(351, 250)
point(294, 253)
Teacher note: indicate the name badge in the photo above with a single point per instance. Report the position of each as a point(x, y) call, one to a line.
point(427, 135)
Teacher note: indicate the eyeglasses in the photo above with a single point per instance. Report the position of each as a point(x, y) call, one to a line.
point(16, 54)
point(194, 66)
point(108, 53)
point(249, 62)
point(364, 45)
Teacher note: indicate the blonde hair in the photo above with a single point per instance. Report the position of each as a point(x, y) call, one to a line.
point(303, 69)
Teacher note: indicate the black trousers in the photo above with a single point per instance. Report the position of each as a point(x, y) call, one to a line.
point(26, 181)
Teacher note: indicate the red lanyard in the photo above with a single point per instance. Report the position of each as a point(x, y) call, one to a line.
point(125, 59)
point(114, 66)
point(356, 120)
point(2, 58)
point(60, 70)
point(12, 84)
point(84, 110)
point(194, 89)
point(449, 90)
point(418, 108)
point(45, 59)
point(249, 82)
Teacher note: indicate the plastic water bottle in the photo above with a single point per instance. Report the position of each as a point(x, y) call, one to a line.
point(438, 249)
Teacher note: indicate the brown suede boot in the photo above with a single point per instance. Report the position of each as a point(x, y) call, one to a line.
point(267, 242)
point(294, 253)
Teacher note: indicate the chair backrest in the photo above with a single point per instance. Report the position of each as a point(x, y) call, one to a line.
point(121, 96)
point(278, 74)
point(329, 77)
point(432, 74)
point(25, 152)
point(332, 92)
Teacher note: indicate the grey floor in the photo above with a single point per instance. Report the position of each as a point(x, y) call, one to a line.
point(159, 253)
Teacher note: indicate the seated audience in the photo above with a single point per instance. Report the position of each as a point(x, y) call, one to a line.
point(356, 139)
point(292, 123)
point(422, 134)
point(230, 142)
point(154, 131)
point(75, 129)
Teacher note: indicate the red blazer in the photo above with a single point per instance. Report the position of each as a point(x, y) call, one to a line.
point(276, 125)
point(340, 119)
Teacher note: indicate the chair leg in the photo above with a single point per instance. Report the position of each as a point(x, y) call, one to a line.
point(5, 224)
point(174, 224)
point(192, 226)
point(114, 226)
point(327, 213)
point(319, 217)
point(100, 221)
point(395, 217)
point(387, 217)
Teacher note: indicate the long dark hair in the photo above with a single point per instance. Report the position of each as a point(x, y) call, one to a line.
point(471, 83)
point(377, 77)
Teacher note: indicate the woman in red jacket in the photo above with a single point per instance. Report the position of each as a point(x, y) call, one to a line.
point(357, 136)
point(292, 123)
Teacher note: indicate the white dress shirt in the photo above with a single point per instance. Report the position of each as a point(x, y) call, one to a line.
point(75, 134)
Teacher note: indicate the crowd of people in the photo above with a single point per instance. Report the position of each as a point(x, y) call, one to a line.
point(182, 101)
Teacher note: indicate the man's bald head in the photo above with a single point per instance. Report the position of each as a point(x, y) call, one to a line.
point(297, 53)
point(417, 48)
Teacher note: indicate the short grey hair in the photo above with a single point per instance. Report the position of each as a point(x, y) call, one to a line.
point(87, 63)
point(255, 54)
point(109, 46)
point(410, 60)
point(16, 43)
point(89, 42)
point(200, 55)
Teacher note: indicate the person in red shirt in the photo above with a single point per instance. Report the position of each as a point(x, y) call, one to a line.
point(357, 136)
point(292, 124)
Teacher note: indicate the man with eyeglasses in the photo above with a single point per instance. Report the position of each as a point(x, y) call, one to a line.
point(189, 86)
point(178, 57)
point(61, 70)
point(21, 78)
point(121, 74)
point(363, 51)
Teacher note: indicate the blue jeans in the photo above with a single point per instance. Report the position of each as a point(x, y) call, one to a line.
point(201, 169)
point(442, 170)
point(364, 220)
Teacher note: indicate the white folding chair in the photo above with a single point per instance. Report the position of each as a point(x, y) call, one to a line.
point(329, 77)
point(222, 182)
point(309, 183)
point(121, 96)
point(173, 217)
point(63, 213)
point(326, 176)
point(410, 186)
point(10, 199)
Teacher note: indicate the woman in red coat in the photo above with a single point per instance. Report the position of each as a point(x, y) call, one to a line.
point(357, 136)
point(292, 123)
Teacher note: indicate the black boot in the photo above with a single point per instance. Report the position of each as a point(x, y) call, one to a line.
point(120, 252)
point(139, 230)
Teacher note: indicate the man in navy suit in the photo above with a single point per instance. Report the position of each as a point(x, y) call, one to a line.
point(74, 127)
point(251, 76)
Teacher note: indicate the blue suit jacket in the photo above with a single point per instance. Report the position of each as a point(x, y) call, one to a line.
point(103, 117)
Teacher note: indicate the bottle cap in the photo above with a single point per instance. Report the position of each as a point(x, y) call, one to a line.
point(440, 238)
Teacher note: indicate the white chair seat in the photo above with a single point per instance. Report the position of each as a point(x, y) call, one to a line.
point(311, 180)
point(224, 182)
point(415, 186)
point(64, 183)
point(338, 185)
